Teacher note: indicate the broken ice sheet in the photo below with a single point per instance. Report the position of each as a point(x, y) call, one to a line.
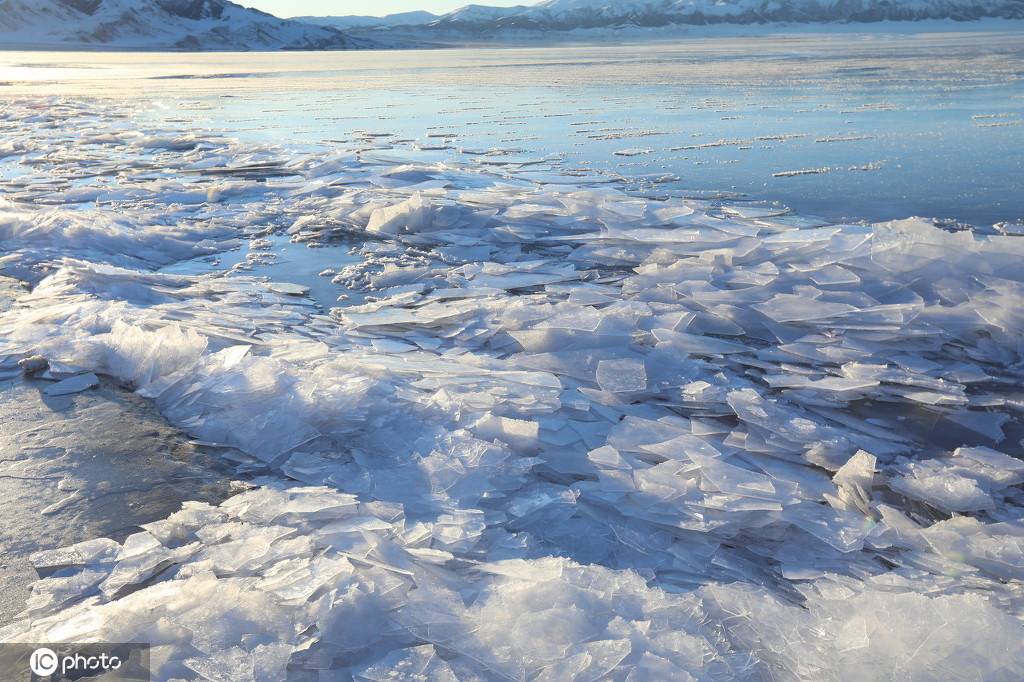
point(570, 431)
point(792, 308)
point(626, 375)
point(731, 479)
point(75, 384)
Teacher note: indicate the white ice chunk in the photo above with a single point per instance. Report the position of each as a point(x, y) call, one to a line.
point(410, 215)
point(625, 375)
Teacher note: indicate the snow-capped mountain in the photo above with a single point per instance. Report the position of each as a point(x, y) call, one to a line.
point(562, 15)
point(415, 18)
point(552, 17)
point(480, 15)
point(224, 25)
point(160, 24)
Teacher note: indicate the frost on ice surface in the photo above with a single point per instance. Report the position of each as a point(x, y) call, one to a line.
point(565, 432)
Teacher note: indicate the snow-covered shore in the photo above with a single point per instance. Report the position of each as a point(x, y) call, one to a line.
point(568, 433)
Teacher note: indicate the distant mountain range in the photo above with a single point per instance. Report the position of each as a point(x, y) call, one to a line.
point(161, 24)
point(417, 18)
point(571, 15)
point(223, 25)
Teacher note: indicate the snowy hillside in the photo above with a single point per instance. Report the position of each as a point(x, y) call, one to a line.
point(223, 25)
point(160, 24)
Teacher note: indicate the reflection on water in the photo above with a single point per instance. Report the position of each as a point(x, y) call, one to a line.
point(845, 126)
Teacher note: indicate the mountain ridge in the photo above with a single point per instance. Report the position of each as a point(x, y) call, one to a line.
point(555, 16)
point(416, 17)
point(224, 25)
point(162, 24)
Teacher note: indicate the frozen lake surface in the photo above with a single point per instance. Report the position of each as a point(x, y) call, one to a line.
point(514, 398)
point(869, 127)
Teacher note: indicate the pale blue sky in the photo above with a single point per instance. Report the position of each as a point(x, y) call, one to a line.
point(294, 8)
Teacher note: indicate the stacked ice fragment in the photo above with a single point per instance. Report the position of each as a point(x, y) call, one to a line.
point(572, 433)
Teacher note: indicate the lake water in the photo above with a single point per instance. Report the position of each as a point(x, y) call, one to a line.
point(853, 127)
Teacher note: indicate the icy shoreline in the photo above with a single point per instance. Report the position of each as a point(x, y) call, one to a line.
point(573, 433)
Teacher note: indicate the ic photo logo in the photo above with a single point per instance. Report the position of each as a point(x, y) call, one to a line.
point(53, 662)
point(43, 661)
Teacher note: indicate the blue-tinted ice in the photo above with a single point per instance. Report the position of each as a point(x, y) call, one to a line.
point(558, 430)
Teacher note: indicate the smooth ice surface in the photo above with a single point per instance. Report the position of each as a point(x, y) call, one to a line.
point(558, 431)
point(86, 466)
